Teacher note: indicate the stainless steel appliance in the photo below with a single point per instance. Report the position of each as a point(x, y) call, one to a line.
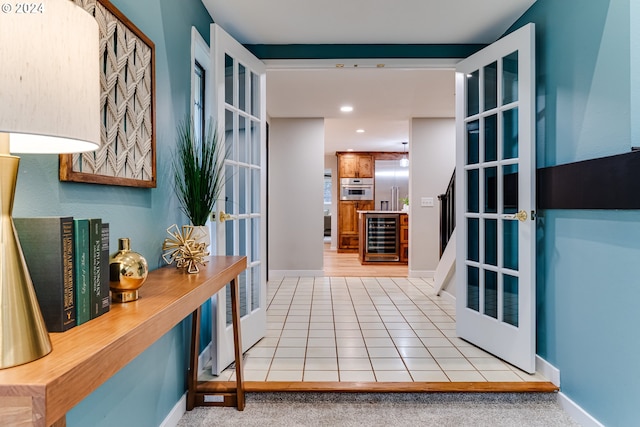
point(382, 239)
point(356, 189)
point(392, 184)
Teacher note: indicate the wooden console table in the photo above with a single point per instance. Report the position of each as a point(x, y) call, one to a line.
point(40, 393)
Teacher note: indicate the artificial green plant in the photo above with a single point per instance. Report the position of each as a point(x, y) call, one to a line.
point(198, 167)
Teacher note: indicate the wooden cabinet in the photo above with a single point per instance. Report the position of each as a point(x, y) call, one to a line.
point(384, 238)
point(355, 165)
point(352, 165)
point(348, 233)
point(404, 238)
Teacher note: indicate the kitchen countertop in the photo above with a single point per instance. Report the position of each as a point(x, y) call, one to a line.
point(383, 212)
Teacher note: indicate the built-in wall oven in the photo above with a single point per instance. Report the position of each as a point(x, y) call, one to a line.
point(356, 189)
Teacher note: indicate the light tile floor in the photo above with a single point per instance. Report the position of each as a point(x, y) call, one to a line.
point(370, 329)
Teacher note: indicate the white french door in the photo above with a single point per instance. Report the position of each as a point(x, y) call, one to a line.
point(241, 113)
point(495, 175)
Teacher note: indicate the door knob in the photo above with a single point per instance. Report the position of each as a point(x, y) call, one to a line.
point(521, 216)
point(221, 216)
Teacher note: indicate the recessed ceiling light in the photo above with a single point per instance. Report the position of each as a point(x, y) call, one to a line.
point(346, 108)
point(360, 130)
point(349, 149)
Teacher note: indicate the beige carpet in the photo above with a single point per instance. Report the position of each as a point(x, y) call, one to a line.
point(388, 409)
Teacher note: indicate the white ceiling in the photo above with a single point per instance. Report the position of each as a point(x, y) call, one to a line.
point(384, 98)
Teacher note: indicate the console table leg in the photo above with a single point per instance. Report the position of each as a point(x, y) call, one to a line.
point(237, 342)
point(192, 379)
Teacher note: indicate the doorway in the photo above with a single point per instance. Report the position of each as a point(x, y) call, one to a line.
point(307, 313)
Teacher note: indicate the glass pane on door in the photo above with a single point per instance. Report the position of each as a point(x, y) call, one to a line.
point(255, 238)
point(228, 75)
point(255, 190)
point(510, 78)
point(510, 300)
point(473, 142)
point(491, 293)
point(473, 243)
point(510, 244)
point(491, 138)
point(473, 93)
point(491, 190)
point(255, 286)
point(510, 133)
point(242, 189)
point(473, 288)
point(510, 189)
point(491, 86)
point(243, 142)
point(229, 135)
point(255, 95)
point(473, 194)
point(242, 89)
point(491, 242)
point(255, 142)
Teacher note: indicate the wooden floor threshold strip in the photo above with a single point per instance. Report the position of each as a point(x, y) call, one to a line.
point(383, 387)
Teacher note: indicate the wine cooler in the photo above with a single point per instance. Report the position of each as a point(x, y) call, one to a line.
point(382, 237)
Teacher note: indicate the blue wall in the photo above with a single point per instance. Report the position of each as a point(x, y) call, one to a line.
point(588, 266)
point(144, 392)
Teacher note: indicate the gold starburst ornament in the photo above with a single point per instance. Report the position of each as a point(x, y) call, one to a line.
point(184, 247)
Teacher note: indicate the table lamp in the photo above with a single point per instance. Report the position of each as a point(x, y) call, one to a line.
point(49, 103)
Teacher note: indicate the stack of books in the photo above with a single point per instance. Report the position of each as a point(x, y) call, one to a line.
point(68, 260)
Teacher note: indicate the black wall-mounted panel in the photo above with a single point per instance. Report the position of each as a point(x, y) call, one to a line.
point(606, 183)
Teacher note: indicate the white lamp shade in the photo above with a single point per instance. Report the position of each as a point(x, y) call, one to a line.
point(50, 79)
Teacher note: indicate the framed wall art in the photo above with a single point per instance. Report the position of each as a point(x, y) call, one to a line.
point(127, 155)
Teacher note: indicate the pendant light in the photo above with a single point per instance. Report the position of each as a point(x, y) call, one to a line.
point(404, 161)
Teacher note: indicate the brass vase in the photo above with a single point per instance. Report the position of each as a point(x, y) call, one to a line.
point(127, 272)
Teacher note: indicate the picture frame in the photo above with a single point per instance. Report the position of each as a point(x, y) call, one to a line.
point(127, 155)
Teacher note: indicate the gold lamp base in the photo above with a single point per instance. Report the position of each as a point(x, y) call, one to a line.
point(23, 334)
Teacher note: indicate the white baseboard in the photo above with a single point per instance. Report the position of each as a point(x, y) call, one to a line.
point(422, 273)
point(176, 413)
point(278, 274)
point(576, 412)
point(548, 370)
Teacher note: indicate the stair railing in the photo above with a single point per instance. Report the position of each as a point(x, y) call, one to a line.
point(447, 213)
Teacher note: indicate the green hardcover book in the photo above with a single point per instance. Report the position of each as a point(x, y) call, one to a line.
point(47, 245)
point(95, 253)
point(81, 250)
point(105, 299)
